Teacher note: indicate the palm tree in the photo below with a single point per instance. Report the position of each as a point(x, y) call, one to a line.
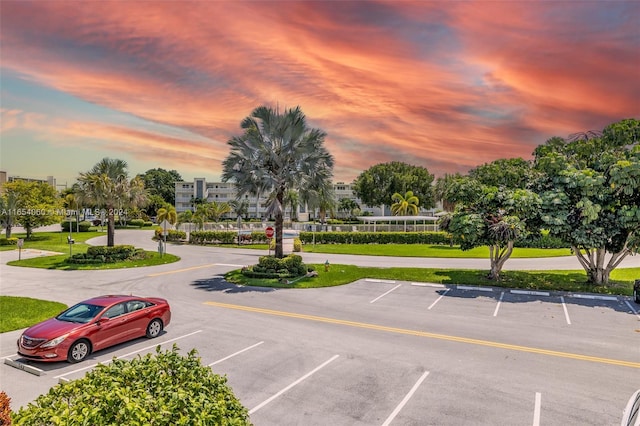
point(276, 152)
point(216, 210)
point(292, 199)
point(169, 214)
point(347, 206)
point(240, 207)
point(107, 186)
point(403, 206)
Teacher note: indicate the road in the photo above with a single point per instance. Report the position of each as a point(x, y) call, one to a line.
point(374, 352)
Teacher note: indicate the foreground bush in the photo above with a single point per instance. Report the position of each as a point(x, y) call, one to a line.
point(5, 409)
point(105, 254)
point(162, 389)
point(271, 267)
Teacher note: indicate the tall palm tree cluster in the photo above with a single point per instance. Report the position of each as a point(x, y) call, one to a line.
point(107, 186)
point(278, 153)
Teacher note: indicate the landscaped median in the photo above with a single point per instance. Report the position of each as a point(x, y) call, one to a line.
point(80, 255)
point(621, 282)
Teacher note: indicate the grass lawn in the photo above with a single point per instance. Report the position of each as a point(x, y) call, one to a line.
point(22, 312)
point(58, 262)
point(410, 250)
point(55, 241)
point(575, 281)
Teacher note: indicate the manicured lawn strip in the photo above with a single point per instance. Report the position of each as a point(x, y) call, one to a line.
point(22, 312)
point(423, 250)
point(55, 241)
point(58, 262)
point(574, 281)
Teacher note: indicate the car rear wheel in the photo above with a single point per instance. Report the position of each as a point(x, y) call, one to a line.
point(78, 351)
point(636, 295)
point(154, 328)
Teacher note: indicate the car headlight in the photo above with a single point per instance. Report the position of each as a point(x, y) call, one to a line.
point(54, 342)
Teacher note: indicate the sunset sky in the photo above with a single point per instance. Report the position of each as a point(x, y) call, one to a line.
point(447, 85)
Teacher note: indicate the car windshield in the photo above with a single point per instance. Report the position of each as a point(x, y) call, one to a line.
point(82, 313)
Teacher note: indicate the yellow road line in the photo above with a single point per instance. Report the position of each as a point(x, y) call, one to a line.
point(175, 271)
point(429, 335)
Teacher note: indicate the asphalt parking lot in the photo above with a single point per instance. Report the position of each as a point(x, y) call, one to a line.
point(373, 352)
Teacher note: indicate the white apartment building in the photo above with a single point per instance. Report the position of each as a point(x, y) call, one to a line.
point(187, 192)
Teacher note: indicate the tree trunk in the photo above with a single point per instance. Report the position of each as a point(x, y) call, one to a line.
point(8, 231)
point(593, 262)
point(111, 229)
point(498, 256)
point(279, 252)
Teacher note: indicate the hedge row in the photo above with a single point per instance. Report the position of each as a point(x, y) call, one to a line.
point(172, 235)
point(105, 254)
point(83, 226)
point(11, 241)
point(375, 237)
point(226, 237)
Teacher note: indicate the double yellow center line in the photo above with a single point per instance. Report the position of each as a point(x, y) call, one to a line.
point(428, 335)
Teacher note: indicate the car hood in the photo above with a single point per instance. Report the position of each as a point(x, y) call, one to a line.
point(51, 328)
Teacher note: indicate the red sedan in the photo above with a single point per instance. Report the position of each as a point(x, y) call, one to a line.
point(93, 325)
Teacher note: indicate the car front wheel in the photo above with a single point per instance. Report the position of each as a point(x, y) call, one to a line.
point(636, 295)
point(154, 328)
point(78, 351)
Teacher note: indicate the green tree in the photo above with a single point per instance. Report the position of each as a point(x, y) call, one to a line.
point(240, 207)
point(292, 199)
point(590, 189)
point(37, 204)
point(154, 203)
point(490, 216)
point(510, 173)
point(8, 212)
point(405, 205)
point(162, 183)
point(168, 213)
point(108, 187)
point(277, 152)
point(441, 189)
point(162, 389)
point(215, 210)
point(376, 186)
point(347, 206)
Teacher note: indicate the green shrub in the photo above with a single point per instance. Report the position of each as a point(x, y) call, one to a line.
point(162, 389)
point(375, 237)
point(172, 234)
point(297, 245)
point(147, 224)
point(213, 237)
point(272, 267)
point(82, 226)
point(105, 254)
point(5, 409)
point(11, 241)
point(136, 222)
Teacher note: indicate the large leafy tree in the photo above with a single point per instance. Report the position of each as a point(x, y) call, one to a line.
point(8, 212)
point(35, 204)
point(441, 189)
point(347, 206)
point(490, 216)
point(161, 182)
point(507, 172)
point(376, 185)
point(407, 204)
point(277, 152)
point(107, 186)
point(590, 188)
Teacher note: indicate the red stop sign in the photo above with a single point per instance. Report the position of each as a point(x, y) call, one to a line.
point(269, 232)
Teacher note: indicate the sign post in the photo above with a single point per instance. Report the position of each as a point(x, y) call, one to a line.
point(20, 244)
point(269, 234)
point(164, 225)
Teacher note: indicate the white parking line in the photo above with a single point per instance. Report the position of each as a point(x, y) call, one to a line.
point(126, 355)
point(476, 288)
point(632, 308)
point(268, 400)
point(385, 293)
point(529, 292)
point(405, 400)
point(566, 312)
point(375, 280)
point(495, 313)
point(536, 409)
point(429, 285)
point(438, 299)
point(236, 353)
point(593, 297)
